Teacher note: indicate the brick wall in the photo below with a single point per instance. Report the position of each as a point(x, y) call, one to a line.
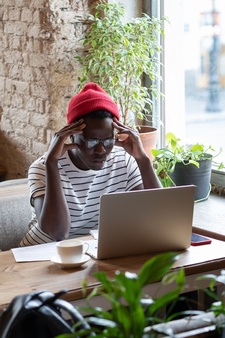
point(38, 40)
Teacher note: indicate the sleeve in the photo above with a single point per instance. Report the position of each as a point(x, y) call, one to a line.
point(37, 183)
point(37, 178)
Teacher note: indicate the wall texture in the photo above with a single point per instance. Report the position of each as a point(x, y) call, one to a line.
point(38, 39)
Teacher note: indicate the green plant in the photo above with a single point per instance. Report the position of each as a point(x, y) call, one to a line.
point(174, 152)
point(132, 311)
point(118, 52)
point(218, 306)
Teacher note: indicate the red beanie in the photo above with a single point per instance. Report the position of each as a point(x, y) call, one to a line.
point(91, 98)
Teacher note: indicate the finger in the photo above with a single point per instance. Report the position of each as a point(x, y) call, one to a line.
point(119, 143)
point(125, 133)
point(77, 129)
point(121, 137)
point(120, 124)
point(122, 128)
point(74, 128)
point(70, 146)
point(76, 124)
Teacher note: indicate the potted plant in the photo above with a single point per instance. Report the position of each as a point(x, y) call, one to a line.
point(118, 54)
point(178, 164)
point(131, 310)
point(133, 313)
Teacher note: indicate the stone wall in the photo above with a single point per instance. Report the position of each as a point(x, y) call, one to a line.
point(38, 39)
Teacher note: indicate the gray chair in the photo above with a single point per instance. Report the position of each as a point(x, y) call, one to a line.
point(15, 212)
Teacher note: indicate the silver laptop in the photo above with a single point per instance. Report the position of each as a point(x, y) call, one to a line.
point(144, 221)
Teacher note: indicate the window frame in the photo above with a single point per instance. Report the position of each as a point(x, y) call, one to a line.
point(164, 106)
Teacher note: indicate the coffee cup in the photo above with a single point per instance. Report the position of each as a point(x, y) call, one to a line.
point(71, 250)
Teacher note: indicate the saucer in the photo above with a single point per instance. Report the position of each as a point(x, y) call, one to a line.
point(56, 260)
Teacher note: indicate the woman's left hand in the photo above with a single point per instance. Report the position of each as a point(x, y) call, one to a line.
point(129, 139)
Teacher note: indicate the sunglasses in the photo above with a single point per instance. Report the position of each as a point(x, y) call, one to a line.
point(92, 143)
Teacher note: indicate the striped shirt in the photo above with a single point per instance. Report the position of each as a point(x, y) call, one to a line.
point(82, 190)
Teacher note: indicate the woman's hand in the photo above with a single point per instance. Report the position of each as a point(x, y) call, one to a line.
point(129, 139)
point(58, 144)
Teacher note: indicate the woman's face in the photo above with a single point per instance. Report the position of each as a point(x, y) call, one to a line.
point(95, 144)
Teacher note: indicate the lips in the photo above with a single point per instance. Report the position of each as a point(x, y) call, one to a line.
point(98, 163)
point(99, 159)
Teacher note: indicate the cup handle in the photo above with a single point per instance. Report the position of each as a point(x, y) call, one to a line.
point(87, 247)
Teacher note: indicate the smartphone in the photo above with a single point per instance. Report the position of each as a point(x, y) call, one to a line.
point(197, 239)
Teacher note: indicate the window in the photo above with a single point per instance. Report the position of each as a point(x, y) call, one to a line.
point(194, 80)
point(204, 72)
point(190, 70)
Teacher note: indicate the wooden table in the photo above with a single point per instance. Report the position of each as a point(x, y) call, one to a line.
point(21, 278)
point(209, 217)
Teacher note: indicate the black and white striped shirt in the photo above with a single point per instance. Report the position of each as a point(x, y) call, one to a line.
point(82, 189)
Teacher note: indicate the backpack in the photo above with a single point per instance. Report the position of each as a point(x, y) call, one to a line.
point(39, 315)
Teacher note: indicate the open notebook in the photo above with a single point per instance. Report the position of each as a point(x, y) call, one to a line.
point(146, 221)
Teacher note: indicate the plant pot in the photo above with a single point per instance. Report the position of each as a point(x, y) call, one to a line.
point(191, 174)
point(149, 136)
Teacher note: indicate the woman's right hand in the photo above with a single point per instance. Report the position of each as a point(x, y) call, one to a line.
point(58, 144)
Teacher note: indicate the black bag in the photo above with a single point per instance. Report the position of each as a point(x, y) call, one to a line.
point(39, 315)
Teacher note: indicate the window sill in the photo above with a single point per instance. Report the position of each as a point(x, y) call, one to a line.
point(218, 182)
point(209, 217)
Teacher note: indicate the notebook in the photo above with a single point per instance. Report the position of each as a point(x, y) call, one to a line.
point(144, 221)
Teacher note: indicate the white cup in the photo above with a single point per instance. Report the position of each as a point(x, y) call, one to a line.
point(71, 250)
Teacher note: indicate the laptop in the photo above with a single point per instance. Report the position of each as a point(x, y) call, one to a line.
point(144, 221)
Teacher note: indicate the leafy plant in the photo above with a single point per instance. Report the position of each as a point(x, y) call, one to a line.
point(117, 54)
point(165, 159)
point(132, 311)
point(217, 307)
